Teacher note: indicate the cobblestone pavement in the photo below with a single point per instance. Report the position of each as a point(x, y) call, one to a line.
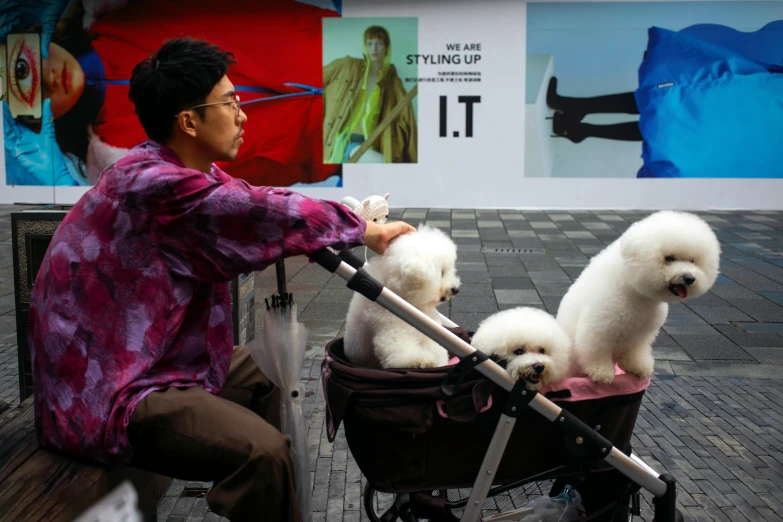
point(712, 417)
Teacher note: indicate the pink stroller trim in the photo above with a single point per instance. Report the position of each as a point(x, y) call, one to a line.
point(445, 415)
point(581, 388)
point(584, 388)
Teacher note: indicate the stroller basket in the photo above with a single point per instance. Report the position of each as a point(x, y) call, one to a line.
point(403, 442)
point(411, 430)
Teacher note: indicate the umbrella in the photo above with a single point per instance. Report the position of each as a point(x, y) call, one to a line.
point(279, 352)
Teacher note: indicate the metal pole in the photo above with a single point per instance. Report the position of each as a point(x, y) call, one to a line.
point(488, 469)
point(280, 270)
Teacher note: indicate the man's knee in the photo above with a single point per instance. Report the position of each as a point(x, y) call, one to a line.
point(271, 449)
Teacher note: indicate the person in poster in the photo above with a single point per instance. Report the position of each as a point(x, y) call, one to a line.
point(710, 104)
point(88, 121)
point(351, 115)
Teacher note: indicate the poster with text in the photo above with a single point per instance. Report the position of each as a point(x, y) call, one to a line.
point(654, 89)
point(424, 100)
point(87, 120)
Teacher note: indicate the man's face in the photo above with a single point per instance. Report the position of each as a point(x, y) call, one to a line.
point(376, 49)
point(220, 131)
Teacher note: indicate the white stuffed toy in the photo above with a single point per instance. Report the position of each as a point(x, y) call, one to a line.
point(371, 208)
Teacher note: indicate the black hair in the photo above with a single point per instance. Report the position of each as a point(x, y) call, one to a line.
point(177, 76)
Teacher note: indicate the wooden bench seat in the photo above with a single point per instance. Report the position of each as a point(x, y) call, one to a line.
point(38, 484)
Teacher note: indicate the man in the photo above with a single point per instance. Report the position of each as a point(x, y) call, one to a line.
point(130, 331)
point(373, 79)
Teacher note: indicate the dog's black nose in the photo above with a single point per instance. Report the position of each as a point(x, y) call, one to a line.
point(538, 368)
point(689, 279)
point(454, 291)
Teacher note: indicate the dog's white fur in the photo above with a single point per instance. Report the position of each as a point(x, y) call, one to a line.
point(527, 338)
point(616, 307)
point(420, 267)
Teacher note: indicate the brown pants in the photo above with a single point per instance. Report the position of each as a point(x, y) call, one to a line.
point(191, 434)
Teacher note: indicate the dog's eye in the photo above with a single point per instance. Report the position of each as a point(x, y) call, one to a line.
point(541, 350)
point(691, 260)
point(519, 351)
point(670, 259)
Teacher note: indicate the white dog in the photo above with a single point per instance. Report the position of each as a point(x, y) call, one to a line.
point(616, 307)
point(420, 267)
point(535, 347)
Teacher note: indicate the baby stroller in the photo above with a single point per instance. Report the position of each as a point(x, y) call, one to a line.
point(425, 435)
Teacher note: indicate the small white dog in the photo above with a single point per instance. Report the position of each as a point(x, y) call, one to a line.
point(535, 347)
point(420, 267)
point(616, 307)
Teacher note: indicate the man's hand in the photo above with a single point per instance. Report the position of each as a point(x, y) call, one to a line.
point(378, 237)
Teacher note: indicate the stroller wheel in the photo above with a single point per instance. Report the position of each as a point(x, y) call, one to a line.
point(387, 507)
point(381, 507)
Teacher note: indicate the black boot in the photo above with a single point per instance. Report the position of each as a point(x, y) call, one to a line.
point(580, 107)
point(565, 125)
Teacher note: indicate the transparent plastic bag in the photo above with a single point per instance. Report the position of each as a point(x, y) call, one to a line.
point(565, 507)
point(279, 352)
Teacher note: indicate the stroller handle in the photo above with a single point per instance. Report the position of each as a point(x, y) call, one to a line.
point(350, 268)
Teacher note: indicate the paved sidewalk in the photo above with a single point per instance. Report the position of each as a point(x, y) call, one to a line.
point(713, 416)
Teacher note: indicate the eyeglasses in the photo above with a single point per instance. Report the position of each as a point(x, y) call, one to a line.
point(233, 102)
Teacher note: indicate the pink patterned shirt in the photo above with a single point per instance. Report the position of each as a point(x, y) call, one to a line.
point(133, 293)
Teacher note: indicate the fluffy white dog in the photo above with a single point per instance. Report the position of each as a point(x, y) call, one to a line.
point(616, 307)
point(420, 267)
point(531, 342)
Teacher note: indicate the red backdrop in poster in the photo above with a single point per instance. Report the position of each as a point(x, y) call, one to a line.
point(277, 44)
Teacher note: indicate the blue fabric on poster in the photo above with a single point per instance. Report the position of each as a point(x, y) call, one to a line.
point(764, 45)
point(707, 110)
point(332, 5)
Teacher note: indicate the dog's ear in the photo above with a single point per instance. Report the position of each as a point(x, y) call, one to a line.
point(635, 246)
point(414, 275)
point(402, 276)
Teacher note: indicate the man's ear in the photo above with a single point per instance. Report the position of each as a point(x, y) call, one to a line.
point(187, 123)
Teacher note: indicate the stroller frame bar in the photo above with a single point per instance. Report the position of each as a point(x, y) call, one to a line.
point(349, 267)
point(483, 484)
